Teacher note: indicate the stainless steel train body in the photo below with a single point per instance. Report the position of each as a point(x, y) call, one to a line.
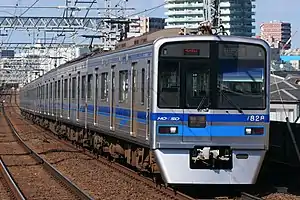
point(200, 103)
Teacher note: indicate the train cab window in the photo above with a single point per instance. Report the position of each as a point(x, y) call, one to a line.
point(66, 88)
point(143, 87)
point(104, 85)
point(90, 84)
point(58, 89)
point(123, 85)
point(83, 84)
point(169, 84)
point(197, 84)
point(73, 87)
point(241, 76)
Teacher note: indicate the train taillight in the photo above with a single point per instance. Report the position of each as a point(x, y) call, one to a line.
point(168, 129)
point(254, 131)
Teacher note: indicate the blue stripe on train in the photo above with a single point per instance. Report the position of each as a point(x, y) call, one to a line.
point(141, 115)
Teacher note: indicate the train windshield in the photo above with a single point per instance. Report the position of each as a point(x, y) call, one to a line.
point(241, 76)
point(213, 75)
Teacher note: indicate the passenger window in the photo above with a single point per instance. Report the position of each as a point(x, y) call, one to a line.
point(69, 87)
point(73, 87)
point(123, 85)
point(143, 87)
point(90, 83)
point(47, 91)
point(97, 86)
point(104, 85)
point(83, 83)
point(134, 76)
point(50, 93)
point(58, 89)
point(78, 87)
point(66, 88)
point(55, 89)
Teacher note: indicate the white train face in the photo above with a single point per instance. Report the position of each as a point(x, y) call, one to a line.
point(212, 92)
point(212, 99)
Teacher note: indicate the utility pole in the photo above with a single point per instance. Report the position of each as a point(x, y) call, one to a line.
point(212, 18)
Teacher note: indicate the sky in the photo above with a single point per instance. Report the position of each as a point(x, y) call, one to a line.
point(266, 10)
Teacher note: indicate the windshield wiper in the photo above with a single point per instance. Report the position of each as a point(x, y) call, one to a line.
point(201, 103)
point(231, 102)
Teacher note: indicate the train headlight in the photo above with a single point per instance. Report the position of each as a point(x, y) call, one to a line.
point(197, 121)
point(168, 129)
point(248, 131)
point(254, 131)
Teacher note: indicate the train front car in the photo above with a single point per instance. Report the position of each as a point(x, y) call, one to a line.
point(210, 109)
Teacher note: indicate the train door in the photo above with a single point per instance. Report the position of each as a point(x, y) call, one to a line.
point(146, 74)
point(133, 127)
point(112, 98)
point(196, 76)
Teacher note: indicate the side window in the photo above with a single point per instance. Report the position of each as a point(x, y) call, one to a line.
point(123, 85)
point(78, 86)
point(83, 83)
point(55, 89)
point(73, 87)
point(51, 89)
point(134, 76)
point(90, 83)
point(97, 86)
point(58, 89)
point(66, 88)
point(143, 87)
point(47, 92)
point(104, 85)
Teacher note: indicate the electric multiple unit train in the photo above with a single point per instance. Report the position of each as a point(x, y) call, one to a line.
point(194, 109)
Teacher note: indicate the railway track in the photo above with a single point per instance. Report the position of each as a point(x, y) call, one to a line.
point(98, 176)
point(27, 174)
point(8, 188)
point(246, 196)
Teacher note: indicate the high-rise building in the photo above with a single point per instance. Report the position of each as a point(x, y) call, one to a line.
point(237, 16)
point(141, 25)
point(276, 33)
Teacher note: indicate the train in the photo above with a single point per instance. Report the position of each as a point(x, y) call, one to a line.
point(191, 109)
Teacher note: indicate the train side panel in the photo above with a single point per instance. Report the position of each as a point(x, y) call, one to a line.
point(121, 106)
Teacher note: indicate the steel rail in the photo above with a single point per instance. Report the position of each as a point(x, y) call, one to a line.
point(14, 188)
point(246, 196)
point(81, 194)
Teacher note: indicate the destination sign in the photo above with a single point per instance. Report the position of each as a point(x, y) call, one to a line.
point(197, 49)
point(241, 51)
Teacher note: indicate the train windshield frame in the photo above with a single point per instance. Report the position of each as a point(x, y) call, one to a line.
point(214, 75)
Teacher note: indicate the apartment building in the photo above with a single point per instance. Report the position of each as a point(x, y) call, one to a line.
point(141, 25)
point(276, 33)
point(237, 16)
